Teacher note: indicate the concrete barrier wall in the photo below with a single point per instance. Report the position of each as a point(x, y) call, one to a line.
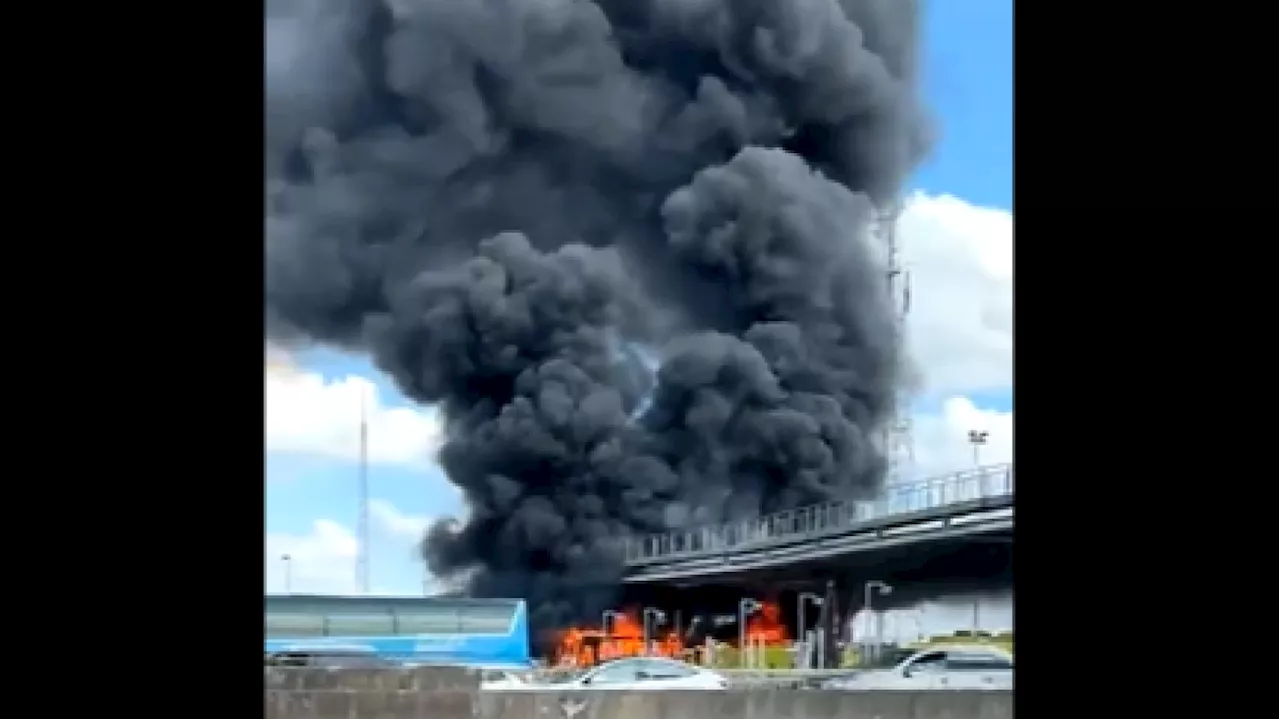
point(419, 693)
point(750, 704)
point(445, 693)
point(415, 679)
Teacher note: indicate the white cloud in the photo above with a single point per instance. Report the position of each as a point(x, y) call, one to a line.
point(960, 325)
point(942, 438)
point(407, 530)
point(306, 414)
point(279, 360)
point(323, 560)
point(404, 527)
point(959, 328)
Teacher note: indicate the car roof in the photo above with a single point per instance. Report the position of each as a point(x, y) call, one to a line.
point(655, 660)
point(976, 648)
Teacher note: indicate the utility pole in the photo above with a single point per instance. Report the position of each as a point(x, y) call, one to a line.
point(899, 434)
point(362, 490)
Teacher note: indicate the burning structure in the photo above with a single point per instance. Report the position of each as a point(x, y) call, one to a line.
point(620, 244)
point(623, 634)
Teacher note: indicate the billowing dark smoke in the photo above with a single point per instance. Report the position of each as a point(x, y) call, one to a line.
point(521, 208)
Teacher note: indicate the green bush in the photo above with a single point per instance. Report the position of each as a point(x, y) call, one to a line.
point(727, 657)
point(1003, 640)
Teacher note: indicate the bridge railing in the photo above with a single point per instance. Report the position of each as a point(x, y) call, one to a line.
point(824, 519)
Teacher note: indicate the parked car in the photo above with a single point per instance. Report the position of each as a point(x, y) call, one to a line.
point(632, 674)
point(946, 667)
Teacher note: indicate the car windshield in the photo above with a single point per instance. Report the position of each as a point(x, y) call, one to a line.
point(977, 661)
point(887, 657)
point(661, 669)
point(619, 672)
point(927, 663)
point(564, 676)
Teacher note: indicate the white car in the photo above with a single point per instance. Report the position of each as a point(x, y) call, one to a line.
point(943, 667)
point(633, 674)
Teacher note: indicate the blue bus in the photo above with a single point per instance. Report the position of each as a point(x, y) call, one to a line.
point(490, 633)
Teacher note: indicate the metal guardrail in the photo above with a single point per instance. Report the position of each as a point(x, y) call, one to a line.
point(822, 520)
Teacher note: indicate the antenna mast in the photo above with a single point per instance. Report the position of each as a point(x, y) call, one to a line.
point(362, 489)
point(899, 435)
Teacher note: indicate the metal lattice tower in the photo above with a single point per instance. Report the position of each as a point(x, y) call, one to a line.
point(899, 439)
point(362, 520)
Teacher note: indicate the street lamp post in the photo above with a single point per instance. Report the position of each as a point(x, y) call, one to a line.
point(875, 586)
point(746, 606)
point(651, 617)
point(605, 616)
point(288, 573)
point(977, 438)
point(801, 605)
point(607, 628)
point(915, 619)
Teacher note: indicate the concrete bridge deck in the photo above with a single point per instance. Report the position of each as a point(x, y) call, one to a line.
point(957, 507)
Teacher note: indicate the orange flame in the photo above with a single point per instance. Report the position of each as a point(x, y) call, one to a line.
point(579, 646)
point(766, 627)
point(588, 646)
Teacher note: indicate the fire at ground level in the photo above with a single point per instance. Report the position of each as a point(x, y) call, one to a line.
point(692, 612)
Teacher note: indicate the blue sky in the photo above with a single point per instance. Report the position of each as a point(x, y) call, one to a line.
point(968, 83)
point(960, 235)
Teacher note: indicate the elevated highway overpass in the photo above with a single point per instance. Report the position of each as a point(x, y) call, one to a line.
point(910, 523)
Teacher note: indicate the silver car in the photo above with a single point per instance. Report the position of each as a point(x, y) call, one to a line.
point(633, 674)
point(945, 667)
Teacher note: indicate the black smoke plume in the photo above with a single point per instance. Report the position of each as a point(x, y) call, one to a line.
point(620, 244)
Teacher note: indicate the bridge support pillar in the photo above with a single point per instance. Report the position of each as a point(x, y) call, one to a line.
point(827, 615)
point(832, 625)
point(845, 595)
